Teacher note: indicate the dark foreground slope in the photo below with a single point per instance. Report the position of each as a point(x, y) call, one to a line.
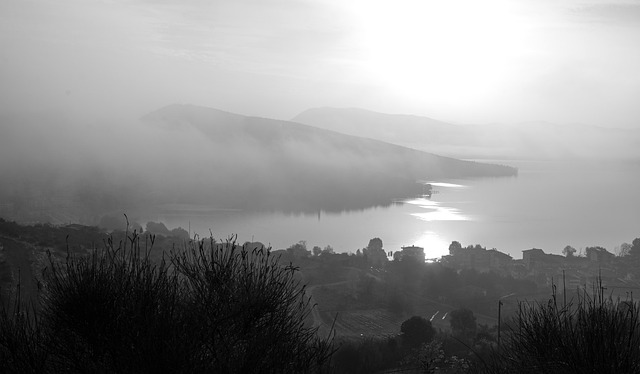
point(203, 308)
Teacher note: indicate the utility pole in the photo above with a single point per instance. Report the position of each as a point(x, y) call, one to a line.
point(500, 314)
point(499, 320)
point(564, 290)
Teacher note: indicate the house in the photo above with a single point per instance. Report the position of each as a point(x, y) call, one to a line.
point(532, 256)
point(478, 258)
point(536, 259)
point(410, 252)
point(599, 254)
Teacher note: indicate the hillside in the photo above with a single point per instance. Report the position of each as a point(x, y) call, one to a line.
point(407, 130)
point(531, 140)
point(61, 169)
point(290, 164)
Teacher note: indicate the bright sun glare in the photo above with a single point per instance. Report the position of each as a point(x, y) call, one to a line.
point(434, 245)
point(456, 49)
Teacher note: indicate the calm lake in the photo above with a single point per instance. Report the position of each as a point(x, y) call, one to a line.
point(548, 205)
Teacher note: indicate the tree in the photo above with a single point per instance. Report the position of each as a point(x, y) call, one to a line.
point(569, 251)
point(416, 331)
point(454, 247)
point(316, 250)
point(635, 248)
point(328, 250)
point(375, 244)
point(376, 255)
point(463, 322)
point(299, 249)
point(625, 249)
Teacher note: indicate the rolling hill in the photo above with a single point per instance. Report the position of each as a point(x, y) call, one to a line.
point(281, 164)
point(530, 140)
point(59, 169)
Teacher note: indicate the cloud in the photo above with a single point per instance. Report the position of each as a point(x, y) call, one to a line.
point(619, 13)
point(266, 37)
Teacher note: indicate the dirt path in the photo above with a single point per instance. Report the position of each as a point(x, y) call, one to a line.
point(323, 328)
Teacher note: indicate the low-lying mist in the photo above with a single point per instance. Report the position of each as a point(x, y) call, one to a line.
point(59, 168)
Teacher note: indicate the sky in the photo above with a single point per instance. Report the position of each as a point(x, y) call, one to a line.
point(462, 61)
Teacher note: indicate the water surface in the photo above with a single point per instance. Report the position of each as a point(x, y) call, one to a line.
point(548, 205)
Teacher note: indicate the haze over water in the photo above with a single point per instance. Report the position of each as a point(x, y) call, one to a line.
point(548, 205)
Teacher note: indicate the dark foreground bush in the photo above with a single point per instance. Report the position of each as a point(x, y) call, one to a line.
point(252, 310)
point(367, 355)
point(20, 340)
point(207, 308)
point(593, 334)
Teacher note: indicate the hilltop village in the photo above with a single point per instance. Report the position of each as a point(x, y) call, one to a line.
point(619, 274)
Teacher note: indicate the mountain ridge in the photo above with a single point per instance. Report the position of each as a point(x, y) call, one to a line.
point(529, 140)
point(282, 161)
point(214, 122)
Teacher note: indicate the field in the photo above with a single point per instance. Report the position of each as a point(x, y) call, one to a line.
point(365, 323)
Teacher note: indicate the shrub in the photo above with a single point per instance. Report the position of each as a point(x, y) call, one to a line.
point(116, 310)
point(367, 355)
point(416, 331)
point(463, 323)
point(592, 334)
point(20, 339)
point(208, 307)
point(427, 358)
point(253, 310)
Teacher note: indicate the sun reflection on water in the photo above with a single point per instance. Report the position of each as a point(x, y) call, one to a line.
point(428, 210)
point(434, 211)
point(434, 245)
point(444, 184)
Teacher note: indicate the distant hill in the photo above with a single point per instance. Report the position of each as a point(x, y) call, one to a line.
point(280, 164)
point(407, 130)
point(60, 169)
point(531, 140)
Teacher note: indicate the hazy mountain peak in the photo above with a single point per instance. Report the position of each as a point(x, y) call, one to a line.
point(361, 112)
point(366, 118)
point(411, 131)
point(529, 140)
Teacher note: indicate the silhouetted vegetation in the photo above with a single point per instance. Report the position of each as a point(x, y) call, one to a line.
point(367, 355)
point(418, 349)
point(463, 323)
point(210, 307)
point(593, 333)
point(416, 331)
